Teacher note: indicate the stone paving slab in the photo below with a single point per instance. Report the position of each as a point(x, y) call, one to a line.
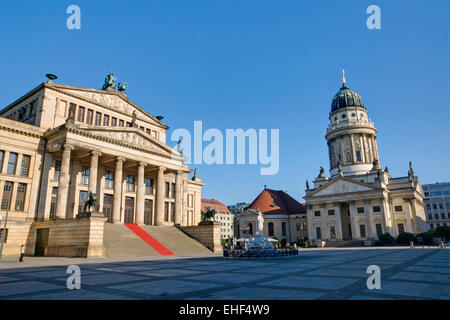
point(314, 274)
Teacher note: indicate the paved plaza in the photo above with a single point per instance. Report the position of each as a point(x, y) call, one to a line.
point(315, 274)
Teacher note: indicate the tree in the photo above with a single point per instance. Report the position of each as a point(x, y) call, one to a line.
point(386, 238)
point(442, 232)
point(404, 238)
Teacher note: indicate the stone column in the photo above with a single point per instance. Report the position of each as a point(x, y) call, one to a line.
point(93, 172)
point(352, 218)
point(324, 217)
point(63, 187)
point(309, 220)
point(337, 213)
point(387, 219)
point(370, 227)
point(409, 222)
point(160, 184)
point(140, 190)
point(178, 196)
point(118, 189)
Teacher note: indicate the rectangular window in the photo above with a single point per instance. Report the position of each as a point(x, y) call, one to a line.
point(83, 198)
point(57, 173)
point(106, 120)
point(148, 186)
point(316, 213)
point(53, 202)
point(401, 228)
point(434, 206)
point(81, 112)
point(167, 189)
point(113, 122)
point(25, 166)
point(332, 232)
point(166, 211)
point(109, 179)
point(362, 230)
point(98, 119)
point(297, 226)
point(85, 173)
point(331, 212)
point(398, 208)
point(130, 183)
point(360, 210)
point(128, 124)
point(20, 197)
point(358, 155)
point(6, 234)
point(121, 123)
point(379, 229)
point(90, 115)
point(318, 233)
point(12, 163)
point(430, 216)
point(2, 157)
point(376, 209)
point(7, 195)
point(147, 130)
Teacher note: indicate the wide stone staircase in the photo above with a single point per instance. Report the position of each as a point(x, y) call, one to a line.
point(120, 241)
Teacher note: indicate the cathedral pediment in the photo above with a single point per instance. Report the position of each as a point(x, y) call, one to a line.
point(342, 185)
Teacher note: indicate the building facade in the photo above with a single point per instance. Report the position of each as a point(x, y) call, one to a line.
point(238, 207)
point(284, 217)
point(360, 201)
point(223, 216)
point(59, 142)
point(437, 204)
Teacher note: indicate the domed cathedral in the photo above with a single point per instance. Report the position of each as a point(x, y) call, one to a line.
point(360, 200)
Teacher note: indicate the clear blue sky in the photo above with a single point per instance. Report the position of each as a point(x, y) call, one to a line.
point(253, 64)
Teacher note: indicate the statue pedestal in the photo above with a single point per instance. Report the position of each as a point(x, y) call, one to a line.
point(93, 214)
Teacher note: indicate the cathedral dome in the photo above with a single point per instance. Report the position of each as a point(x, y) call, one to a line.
point(346, 98)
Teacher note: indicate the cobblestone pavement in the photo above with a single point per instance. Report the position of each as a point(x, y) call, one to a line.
point(315, 274)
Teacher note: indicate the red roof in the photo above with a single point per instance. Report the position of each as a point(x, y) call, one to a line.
point(276, 201)
point(214, 204)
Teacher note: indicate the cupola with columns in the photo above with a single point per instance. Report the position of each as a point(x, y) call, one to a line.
point(351, 135)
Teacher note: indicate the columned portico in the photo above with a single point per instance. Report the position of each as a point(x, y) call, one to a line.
point(117, 206)
point(63, 182)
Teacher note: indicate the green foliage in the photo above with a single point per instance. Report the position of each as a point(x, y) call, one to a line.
point(404, 238)
point(303, 244)
point(427, 237)
point(282, 243)
point(442, 232)
point(386, 238)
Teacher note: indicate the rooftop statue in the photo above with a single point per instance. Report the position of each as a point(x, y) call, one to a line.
point(110, 81)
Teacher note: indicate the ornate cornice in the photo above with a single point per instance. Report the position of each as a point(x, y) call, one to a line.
point(21, 128)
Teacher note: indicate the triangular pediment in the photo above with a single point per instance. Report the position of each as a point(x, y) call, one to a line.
point(342, 185)
point(113, 100)
point(132, 137)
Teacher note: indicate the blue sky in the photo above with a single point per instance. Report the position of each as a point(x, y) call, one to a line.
point(253, 64)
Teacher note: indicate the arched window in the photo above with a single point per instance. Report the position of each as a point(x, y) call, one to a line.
point(283, 229)
point(271, 233)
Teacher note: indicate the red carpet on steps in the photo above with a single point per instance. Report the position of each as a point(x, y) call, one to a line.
point(155, 244)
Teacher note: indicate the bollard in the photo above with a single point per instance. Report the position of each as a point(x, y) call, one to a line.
point(441, 245)
point(411, 244)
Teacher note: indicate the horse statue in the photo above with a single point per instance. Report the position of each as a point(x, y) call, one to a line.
point(208, 215)
point(90, 204)
point(110, 81)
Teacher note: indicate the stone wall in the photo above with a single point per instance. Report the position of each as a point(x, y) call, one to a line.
point(207, 234)
point(80, 237)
